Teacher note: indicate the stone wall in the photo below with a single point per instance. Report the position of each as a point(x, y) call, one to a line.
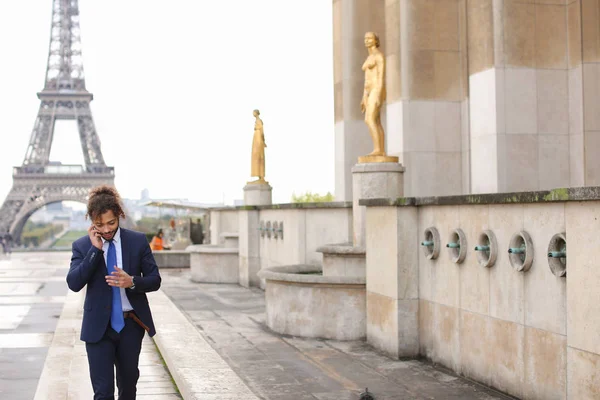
point(222, 220)
point(529, 333)
point(172, 258)
point(282, 234)
point(304, 230)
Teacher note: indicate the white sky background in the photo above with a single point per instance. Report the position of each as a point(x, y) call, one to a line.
point(174, 87)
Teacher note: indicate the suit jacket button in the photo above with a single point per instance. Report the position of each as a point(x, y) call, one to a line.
point(107, 307)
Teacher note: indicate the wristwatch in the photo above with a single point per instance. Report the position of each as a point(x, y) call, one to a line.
point(132, 283)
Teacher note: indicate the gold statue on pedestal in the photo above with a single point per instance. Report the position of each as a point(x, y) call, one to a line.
point(258, 151)
point(373, 98)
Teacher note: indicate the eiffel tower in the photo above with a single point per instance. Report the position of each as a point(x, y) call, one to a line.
point(38, 181)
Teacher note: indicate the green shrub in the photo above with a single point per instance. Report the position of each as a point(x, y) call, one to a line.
point(310, 197)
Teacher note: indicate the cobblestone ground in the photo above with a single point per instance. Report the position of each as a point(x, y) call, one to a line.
point(278, 367)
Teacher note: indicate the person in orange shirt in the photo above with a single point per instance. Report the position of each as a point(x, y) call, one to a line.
point(157, 242)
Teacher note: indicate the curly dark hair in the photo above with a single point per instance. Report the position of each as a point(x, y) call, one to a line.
point(102, 199)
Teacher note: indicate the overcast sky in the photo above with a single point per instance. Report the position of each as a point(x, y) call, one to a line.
point(174, 87)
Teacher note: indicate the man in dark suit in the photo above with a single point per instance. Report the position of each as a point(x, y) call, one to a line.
point(118, 268)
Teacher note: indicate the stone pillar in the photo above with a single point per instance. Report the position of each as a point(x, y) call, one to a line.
point(427, 109)
point(215, 226)
point(520, 85)
point(393, 280)
point(249, 248)
point(351, 20)
point(590, 17)
point(575, 71)
point(373, 181)
point(258, 194)
point(255, 194)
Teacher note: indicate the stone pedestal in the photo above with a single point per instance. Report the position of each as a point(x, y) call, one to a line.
point(373, 181)
point(258, 194)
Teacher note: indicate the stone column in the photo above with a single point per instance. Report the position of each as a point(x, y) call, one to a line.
point(519, 85)
point(215, 226)
point(351, 20)
point(249, 248)
point(590, 17)
point(392, 245)
point(427, 107)
point(255, 194)
point(575, 71)
point(373, 181)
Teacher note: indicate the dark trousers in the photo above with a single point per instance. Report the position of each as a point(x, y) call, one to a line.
point(120, 350)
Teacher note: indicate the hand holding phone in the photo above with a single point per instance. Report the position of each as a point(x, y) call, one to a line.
point(95, 237)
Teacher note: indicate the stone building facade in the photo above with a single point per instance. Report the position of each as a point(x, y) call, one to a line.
point(483, 96)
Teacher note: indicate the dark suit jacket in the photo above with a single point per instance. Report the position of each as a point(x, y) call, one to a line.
point(88, 268)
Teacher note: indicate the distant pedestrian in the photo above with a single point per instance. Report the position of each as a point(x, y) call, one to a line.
point(158, 241)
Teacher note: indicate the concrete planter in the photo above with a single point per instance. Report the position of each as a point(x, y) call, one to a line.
point(301, 303)
point(214, 264)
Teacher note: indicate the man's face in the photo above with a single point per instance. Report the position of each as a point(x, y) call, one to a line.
point(107, 224)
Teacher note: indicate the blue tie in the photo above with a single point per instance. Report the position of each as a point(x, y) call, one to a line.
point(116, 316)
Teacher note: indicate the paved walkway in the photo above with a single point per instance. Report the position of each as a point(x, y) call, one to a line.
point(216, 346)
point(41, 356)
point(32, 295)
point(277, 367)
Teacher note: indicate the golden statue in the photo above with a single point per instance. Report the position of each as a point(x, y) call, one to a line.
point(373, 98)
point(258, 150)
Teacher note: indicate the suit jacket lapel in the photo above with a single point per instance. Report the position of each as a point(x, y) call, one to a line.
point(124, 249)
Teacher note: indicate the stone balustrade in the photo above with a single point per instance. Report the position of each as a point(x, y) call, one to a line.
point(480, 284)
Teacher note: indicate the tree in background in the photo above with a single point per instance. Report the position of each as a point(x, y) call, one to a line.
point(34, 233)
point(310, 197)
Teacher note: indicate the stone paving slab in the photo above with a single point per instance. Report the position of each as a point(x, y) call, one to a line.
point(232, 320)
point(41, 355)
point(198, 370)
point(66, 372)
point(29, 310)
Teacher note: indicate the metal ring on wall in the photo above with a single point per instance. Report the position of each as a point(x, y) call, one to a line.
point(487, 249)
point(457, 246)
point(521, 251)
point(268, 229)
point(431, 243)
point(557, 254)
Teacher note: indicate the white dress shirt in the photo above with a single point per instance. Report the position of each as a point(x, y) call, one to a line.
point(117, 241)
